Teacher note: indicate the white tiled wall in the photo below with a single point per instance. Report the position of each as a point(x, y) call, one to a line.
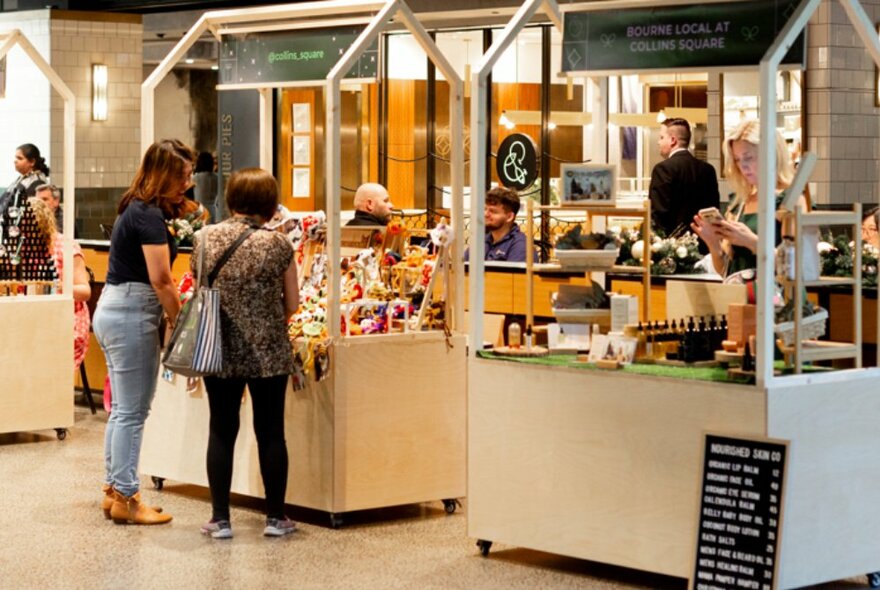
point(843, 122)
point(108, 152)
point(23, 111)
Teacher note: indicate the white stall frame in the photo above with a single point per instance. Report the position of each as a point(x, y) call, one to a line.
point(356, 443)
point(255, 19)
point(606, 466)
point(766, 188)
point(36, 365)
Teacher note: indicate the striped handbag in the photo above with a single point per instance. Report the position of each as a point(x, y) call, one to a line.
point(196, 345)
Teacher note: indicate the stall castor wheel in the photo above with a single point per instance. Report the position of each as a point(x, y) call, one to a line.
point(335, 520)
point(450, 505)
point(484, 547)
point(874, 579)
point(61, 433)
point(158, 482)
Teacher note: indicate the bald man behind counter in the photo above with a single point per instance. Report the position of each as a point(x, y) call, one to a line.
point(372, 205)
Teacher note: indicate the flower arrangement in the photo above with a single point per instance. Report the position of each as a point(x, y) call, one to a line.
point(836, 254)
point(668, 255)
point(183, 229)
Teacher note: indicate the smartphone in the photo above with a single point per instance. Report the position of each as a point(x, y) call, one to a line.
point(711, 214)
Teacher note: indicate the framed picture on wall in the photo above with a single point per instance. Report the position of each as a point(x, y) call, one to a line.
point(589, 184)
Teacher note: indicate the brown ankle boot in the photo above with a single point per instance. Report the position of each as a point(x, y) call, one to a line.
point(107, 501)
point(129, 509)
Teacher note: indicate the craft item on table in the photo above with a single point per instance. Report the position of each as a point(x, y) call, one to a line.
point(322, 362)
point(366, 264)
point(298, 377)
point(612, 347)
point(25, 250)
point(377, 290)
point(185, 287)
point(351, 288)
point(395, 237)
point(442, 235)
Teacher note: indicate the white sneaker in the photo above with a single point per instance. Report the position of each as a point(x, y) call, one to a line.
point(278, 527)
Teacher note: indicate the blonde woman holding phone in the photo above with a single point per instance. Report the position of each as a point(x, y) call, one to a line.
point(733, 239)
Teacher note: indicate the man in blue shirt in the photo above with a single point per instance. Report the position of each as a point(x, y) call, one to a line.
point(504, 240)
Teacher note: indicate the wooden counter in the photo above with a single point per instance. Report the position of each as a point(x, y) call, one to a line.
point(606, 466)
point(387, 427)
point(96, 255)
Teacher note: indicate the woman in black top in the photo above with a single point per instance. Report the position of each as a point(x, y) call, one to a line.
point(32, 172)
point(138, 288)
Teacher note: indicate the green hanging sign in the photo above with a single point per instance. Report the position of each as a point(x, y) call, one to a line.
point(298, 56)
point(714, 35)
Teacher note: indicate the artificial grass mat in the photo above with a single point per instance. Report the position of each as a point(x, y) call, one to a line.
point(716, 374)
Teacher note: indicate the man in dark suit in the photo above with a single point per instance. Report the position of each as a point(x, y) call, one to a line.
point(681, 185)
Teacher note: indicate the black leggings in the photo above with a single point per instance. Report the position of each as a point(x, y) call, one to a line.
point(267, 399)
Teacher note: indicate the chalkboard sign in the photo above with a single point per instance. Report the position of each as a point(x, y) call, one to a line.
point(740, 513)
point(672, 37)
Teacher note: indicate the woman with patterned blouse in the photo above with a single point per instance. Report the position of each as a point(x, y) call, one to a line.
point(258, 292)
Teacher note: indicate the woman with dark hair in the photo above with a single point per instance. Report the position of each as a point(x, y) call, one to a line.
point(32, 172)
point(205, 184)
point(258, 292)
point(126, 324)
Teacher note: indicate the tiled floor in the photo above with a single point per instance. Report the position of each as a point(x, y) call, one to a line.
point(52, 535)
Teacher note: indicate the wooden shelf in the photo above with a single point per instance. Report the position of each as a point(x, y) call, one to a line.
point(617, 268)
point(643, 213)
point(827, 282)
point(804, 351)
point(817, 218)
point(594, 209)
point(821, 350)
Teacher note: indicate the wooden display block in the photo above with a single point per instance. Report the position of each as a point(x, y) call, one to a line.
point(741, 322)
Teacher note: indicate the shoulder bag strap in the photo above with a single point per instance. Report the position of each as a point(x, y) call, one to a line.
point(226, 255)
point(200, 263)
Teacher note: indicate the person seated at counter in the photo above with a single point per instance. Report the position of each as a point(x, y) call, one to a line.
point(733, 241)
point(372, 205)
point(870, 223)
point(504, 240)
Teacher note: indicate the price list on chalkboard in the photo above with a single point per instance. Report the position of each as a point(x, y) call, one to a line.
point(740, 513)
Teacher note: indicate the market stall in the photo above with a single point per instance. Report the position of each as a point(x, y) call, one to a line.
point(385, 423)
point(606, 465)
point(36, 355)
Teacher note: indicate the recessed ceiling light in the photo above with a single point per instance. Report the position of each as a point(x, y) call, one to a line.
point(189, 61)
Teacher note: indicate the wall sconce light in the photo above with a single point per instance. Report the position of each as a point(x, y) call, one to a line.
point(99, 92)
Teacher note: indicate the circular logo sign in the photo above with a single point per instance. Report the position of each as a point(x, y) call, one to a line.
point(517, 162)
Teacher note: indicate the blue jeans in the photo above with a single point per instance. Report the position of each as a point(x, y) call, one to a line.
point(126, 326)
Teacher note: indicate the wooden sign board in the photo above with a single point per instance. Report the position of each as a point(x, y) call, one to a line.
point(741, 500)
point(356, 238)
point(701, 298)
